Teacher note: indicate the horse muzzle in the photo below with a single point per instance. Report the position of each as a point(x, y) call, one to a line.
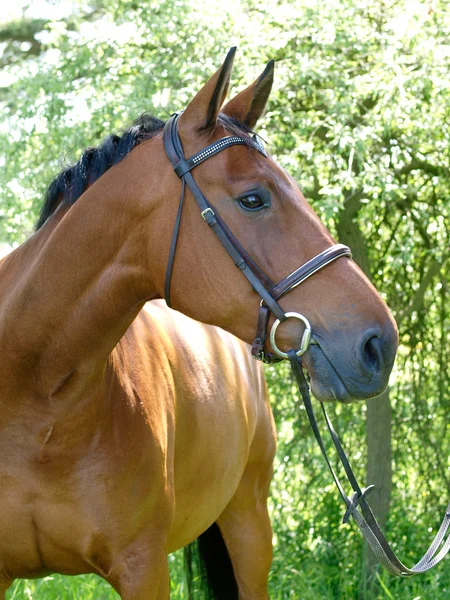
point(352, 369)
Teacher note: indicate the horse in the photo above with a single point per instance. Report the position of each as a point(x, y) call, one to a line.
point(128, 430)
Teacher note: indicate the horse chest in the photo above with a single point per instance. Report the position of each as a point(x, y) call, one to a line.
point(42, 528)
point(57, 512)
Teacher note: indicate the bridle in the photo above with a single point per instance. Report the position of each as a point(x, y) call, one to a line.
point(270, 293)
point(267, 290)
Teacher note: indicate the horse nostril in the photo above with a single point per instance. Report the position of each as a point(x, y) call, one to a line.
point(372, 353)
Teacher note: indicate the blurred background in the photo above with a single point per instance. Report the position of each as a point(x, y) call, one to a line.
point(360, 115)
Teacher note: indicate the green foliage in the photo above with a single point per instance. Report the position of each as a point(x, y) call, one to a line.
point(360, 115)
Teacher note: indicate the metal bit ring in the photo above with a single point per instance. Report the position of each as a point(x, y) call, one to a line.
point(306, 338)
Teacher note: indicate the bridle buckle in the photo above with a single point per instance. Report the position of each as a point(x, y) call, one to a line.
point(205, 212)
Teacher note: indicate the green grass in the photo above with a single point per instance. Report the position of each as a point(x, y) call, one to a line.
point(58, 587)
point(310, 579)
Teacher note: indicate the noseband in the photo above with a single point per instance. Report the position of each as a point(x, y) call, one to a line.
point(269, 292)
point(356, 505)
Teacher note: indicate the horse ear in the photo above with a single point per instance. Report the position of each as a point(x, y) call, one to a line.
point(201, 113)
point(248, 105)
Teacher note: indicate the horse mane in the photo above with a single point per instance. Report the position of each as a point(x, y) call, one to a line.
point(73, 181)
point(70, 184)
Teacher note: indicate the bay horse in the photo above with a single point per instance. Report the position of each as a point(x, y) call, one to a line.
point(128, 430)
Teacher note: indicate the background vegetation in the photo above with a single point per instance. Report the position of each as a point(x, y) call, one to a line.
point(361, 116)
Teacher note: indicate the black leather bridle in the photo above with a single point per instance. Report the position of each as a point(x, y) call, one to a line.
point(267, 290)
point(356, 506)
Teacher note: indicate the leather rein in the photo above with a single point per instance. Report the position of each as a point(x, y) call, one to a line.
point(356, 505)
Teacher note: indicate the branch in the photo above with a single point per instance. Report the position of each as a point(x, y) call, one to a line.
point(419, 295)
point(22, 31)
point(352, 203)
point(25, 30)
point(417, 164)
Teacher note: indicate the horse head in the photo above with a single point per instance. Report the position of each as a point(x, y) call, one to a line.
point(262, 210)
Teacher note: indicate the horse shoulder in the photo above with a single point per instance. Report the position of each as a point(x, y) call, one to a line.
point(196, 380)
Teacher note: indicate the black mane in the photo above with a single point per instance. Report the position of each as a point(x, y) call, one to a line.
point(70, 184)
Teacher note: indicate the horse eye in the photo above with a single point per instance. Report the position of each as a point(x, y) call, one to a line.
point(252, 202)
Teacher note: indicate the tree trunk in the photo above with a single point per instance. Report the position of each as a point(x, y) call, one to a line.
point(379, 473)
point(378, 415)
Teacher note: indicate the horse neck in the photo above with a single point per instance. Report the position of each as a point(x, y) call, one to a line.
point(71, 291)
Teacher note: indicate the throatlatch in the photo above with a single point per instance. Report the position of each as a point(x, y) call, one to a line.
point(356, 506)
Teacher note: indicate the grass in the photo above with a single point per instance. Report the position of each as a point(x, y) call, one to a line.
point(309, 580)
point(58, 587)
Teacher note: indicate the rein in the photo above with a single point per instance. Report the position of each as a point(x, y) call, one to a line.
point(270, 293)
point(357, 506)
